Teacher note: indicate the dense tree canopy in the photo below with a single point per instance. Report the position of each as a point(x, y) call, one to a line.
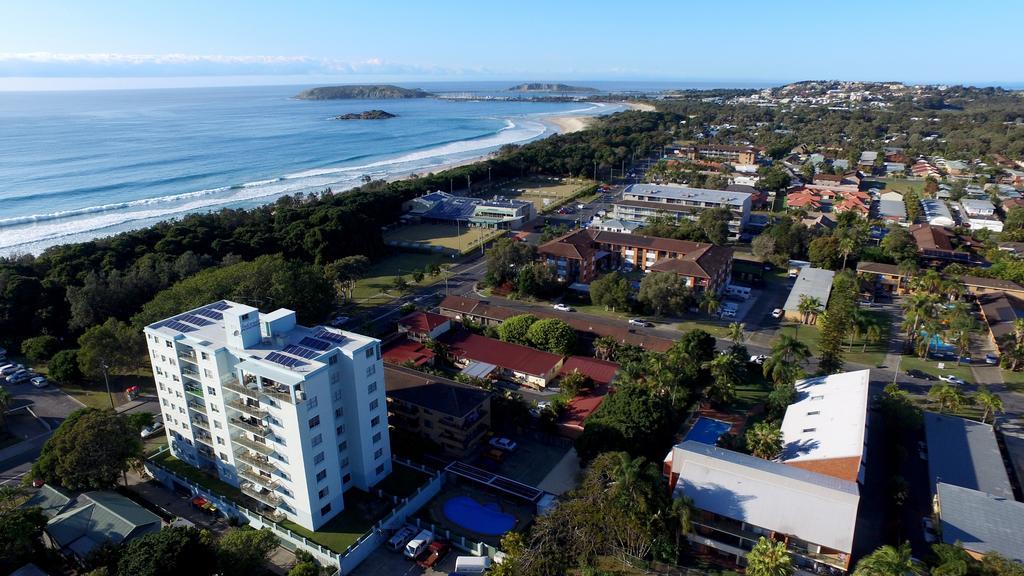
point(88, 451)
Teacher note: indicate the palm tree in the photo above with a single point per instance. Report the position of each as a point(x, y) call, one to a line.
point(990, 401)
point(949, 397)
point(736, 333)
point(907, 268)
point(725, 374)
point(604, 347)
point(809, 307)
point(710, 303)
point(769, 558)
point(764, 440)
point(872, 335)
point(788, 355)
point(889, 561)
point(847, 246)
point(680, 514)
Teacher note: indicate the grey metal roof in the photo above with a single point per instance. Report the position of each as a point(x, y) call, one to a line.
point(677, 192)
point(100, 516)
point(813, 507)
point(964, 453)
point(981, 522)
point(894, 208)
point(51, 500)
point(813, 282)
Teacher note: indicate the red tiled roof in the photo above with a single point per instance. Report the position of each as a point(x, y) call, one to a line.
point(466, 345)
point(422, 322)
point(600, 371)
point(801, 199)
point(930, 237)
point(575, 245)
point(581, 407)
point(1013, 203)
point(404, 350)
point(464, 305)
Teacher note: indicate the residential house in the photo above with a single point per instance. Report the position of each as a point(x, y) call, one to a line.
point(403, 351)
point(891, 196)
point(580, 254)
point(602, 374)
point(1000, 311)
point(867, 161)
point(892, 211)
point(810, 283)
point(613, 225)
point(939, 245)
point(889, 278)
point(936, 213)
point(965, 453)
point(979, 522)
point(980, 214)
point(722, 153)
point(421, 326)
point(924, 169)
point(894, 168)
point(642, 201)
point(455, 416)
point(515, 362)
point(95, 518)
point(836, 180)
point(957, 168)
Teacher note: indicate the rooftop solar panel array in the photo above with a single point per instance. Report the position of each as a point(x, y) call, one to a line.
point(193, 319)
point(300, 351)
point(330, 336)
point(314, 343)
point(179, 326)
point(283, 360)
point(506, 485)
point(210, 313)
point(219, 306)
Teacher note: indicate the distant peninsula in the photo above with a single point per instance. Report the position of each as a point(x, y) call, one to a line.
point(368, 115)
point(542, 87)
point(361, 92)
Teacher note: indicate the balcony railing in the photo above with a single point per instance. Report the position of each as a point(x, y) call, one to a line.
point(188, 357)
point(201, 424)
point(199, 407)
point(257, 429)
point(189, 371)
point(252, 475)
point(195, 391)
point(257, 462)
point(205, 439)
point(253, 391)
point(281, 393)
point(265, 496)
point(253, 445)
point(249, 409)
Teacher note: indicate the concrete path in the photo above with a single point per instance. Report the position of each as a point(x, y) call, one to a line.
point(564, 476)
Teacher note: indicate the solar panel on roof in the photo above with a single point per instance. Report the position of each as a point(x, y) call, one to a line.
point(314, 343)
point(283, 360)
point(179, 326)
point(193, 319)
point(300, 351)
point(212, 314)
point(331, 336)
point(219, 306)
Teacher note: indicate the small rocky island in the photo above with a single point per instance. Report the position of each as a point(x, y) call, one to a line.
point(547, 87)
point(368, 115)
point(361, 92)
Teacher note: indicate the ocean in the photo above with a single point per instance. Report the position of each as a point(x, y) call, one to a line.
point(79, 165)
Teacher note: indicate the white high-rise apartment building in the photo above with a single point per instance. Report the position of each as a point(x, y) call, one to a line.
point(293, 416)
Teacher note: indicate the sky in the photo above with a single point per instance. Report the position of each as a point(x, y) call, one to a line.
point(111, 43)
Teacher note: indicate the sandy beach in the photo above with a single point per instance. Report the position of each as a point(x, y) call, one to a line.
point(641, 106)
point(568, 124)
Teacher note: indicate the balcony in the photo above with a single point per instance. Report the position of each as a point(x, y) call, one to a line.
point(196, 391)
point(188, 357)
point(204, 439)
point(280, 392)
point(265, 496)
point(257, 429)
point(199, 407)
point(246, 408)
point(201, 424)
point(189, 371)
point(253, 445)
point(252, 475)
point(258, 462)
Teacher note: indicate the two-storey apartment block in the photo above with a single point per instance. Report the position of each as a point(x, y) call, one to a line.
point(579, 255)
point(293, 416)
point(642, 201)
point(722, 153)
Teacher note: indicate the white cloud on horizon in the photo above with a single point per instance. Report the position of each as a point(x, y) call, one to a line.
point(88, 65)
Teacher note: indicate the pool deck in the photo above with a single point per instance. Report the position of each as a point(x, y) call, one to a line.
point(522, 511)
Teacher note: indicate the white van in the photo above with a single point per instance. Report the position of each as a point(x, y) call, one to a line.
point(418, 544)
point(401, 537)
point(472, 565)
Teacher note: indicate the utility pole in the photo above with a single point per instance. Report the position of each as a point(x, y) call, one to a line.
point(106, 380)
point(469, 185)
point(595, 170)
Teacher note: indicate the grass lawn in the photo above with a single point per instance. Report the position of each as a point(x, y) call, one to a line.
point(555, 191)
point(94, 394)
point(872, 355)
point(715, 326)
point(1013, 380)
point(345, 528)
point(461, 238)
point(932, 367)
point(192, 473)
point(902, 185)
point(368, 291)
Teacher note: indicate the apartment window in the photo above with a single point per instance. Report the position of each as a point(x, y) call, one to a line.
point(314, 422)
point(175, 377)
point(378, 453)
point(207, 373)
point(220, 441)
point(371, 370)
point(380, 469)
point(318, 439)
point(223, 456)
point(318, 458)
point(325, 510)
point(369, 352)
point(371, 388)
point(163, 358)
point(313, 402)
point(814, 413)
point(159, 371)
point(340, 430)
point(338, 412)
point(343, 445)
point(376, 437)
point(323, 493)
point(321, 475)
point(214, 408)
point(335, 378)
point(374, 404)
point(164, 401)
point(344, 462)
point(809, 429)
point(205, 356)
point(181, 410)
point(336, 395)
point(333, 360)
point(211, 390)
point(375, 421)
point(169, 345)
point(216, 425)
point(346, 478)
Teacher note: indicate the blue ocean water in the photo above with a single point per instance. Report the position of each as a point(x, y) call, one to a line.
point(77, 165)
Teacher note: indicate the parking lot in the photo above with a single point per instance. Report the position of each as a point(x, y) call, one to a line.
point(385, 562)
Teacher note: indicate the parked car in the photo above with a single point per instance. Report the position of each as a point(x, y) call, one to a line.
point(400, 537)
point(777, 313)
point(40, 382)
point(540, 407)
point(435, 552)
point(563, 307)
point(991, 358)
point(928, 527)
point(9, 369)
point(418, 544)
point(952, 379)
point(640, 322)
point(19, 377)
point(758, 359)
point(339, 321)
point(151, 430)
point(503, 443)
point(915, 373)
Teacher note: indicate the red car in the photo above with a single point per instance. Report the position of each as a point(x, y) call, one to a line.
point(434, 553)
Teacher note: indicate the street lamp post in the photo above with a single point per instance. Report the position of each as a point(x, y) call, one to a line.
point(106, 380)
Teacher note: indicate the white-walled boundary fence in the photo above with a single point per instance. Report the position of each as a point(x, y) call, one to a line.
point(343, 563)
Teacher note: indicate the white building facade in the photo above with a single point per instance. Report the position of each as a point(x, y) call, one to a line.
point(293, 416)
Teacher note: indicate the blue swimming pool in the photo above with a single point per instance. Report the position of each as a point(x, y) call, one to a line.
point(487, 518)
point(707, 430)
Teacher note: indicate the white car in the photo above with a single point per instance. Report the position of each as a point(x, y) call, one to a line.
point(640, 322)
point(339, 321)
point(777, 313)
point(9, 369)
point(40, 382)
point(538, 409)
point(952, 379)
point(152, 430)
point(562, 307)
point(503, 443)
point(758, 359)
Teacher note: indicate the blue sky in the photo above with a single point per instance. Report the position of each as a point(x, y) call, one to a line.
point(104, 43)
